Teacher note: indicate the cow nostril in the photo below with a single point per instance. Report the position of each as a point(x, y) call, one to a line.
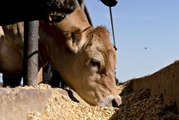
point(116, 102)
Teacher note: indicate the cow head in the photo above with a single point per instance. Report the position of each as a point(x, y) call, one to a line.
point(85, 58)
point(93, 67)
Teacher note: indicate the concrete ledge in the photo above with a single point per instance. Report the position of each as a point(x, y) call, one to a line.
point(16, 103)
point(164, 81)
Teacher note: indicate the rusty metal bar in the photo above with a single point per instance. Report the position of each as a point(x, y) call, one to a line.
point(31, 52)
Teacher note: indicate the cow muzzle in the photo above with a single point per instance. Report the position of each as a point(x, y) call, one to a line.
point(110, 101)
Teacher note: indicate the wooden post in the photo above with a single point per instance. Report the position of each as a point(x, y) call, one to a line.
point(31, 52)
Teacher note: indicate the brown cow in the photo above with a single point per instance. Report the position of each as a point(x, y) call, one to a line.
point(83, 55)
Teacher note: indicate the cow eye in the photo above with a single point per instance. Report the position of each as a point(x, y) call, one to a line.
point(95, 63)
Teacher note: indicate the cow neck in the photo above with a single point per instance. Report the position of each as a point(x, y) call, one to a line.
point(52, 31)
point(76, 19)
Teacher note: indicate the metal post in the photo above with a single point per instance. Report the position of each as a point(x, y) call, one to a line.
point(31, 52)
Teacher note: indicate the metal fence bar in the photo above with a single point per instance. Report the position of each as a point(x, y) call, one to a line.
point(31, 52)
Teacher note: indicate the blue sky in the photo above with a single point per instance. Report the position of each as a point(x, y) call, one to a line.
point(146, 31)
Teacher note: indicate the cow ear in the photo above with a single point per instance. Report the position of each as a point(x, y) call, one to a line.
point(74, 41)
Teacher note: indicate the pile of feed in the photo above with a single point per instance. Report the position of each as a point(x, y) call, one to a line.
point(139, 105)
point(136, 105)
point(61, 107)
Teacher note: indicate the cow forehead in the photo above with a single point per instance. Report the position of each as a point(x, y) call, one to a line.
point(99, 41)
point(100, 37)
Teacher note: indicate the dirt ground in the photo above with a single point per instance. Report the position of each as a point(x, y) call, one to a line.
point(142, 100)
